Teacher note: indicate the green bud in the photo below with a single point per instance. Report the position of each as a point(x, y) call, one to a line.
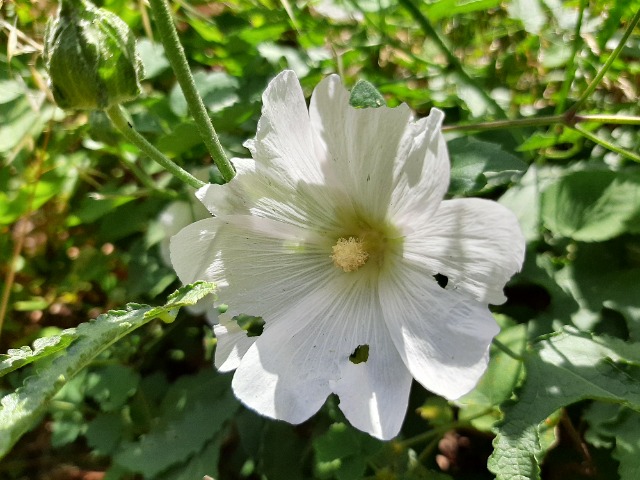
point(91, 57)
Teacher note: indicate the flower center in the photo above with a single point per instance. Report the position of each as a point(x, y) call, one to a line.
point(349, 254)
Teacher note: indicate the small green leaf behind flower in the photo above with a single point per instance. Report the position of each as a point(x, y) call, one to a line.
point(365, 95)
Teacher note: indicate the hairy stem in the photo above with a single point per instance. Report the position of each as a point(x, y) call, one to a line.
point(607, 144)
point(178, 60)
point(116, 115)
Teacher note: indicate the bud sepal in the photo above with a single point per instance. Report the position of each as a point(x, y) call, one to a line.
point(90, 54)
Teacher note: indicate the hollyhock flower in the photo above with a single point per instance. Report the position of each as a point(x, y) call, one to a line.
point(337, 235)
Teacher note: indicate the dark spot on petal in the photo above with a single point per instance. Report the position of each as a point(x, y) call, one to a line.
point(252, 325)
point(368, 177)
point(360, 354)
point(442, 280)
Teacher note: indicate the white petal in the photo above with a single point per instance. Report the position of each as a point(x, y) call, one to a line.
point(227, 199)
point(443, 336)
point(476, 243)
point(174, 218)
point(257, 263)
point(233, 343)
point(262, 193)
point(285, 143)
point(422, 175)
point(288, 372)
point(380, 154)
point(374, 394)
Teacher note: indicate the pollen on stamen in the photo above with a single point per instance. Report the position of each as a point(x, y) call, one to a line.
point(349, 254)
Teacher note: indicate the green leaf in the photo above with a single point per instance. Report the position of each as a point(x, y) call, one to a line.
point(104, 432)
point(498, 382)
point(365, 95)
point(595, 285)
point(342, 452)
point(22, 408)
point(193, 412)
point(153, 58)
point(476, 164)
point(450, 8)
point(183, 297)
point(612, 425)
point(203, 463)
point(112, 385)
point(20, 120)
point(530, 13)
point(562, 368)
point(283, 452)
point(15, 204)
point(180, 139)
point(592, 206)
point(219, 90)
point(42, 348)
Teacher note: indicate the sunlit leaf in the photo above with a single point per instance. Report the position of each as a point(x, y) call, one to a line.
point(562, 368)
point(22, 408)
point(593, 205)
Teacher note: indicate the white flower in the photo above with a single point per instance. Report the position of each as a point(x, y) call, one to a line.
point(333, 234)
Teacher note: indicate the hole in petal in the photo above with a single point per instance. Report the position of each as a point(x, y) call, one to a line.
point(252, 325)
point(360, 354)
point(442, 280)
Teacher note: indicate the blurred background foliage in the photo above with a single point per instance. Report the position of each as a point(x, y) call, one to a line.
point(85, 219)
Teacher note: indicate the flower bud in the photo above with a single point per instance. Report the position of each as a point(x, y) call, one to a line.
point(91, 57)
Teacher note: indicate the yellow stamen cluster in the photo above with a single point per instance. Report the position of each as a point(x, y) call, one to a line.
point(349, 255)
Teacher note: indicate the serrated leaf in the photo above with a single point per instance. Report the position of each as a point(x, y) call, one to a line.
point(365, 95)
point(22, 408)
point(562, 368)
point(183, 297)
point(617, 427)
point(592, 206)
point(42, 348)
point(194, 412)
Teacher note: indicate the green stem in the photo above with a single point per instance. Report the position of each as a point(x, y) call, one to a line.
point(609, 119)
point(442, 429)
point(452, 60)
point(178, 60)
point(600, 75)
point(606, 144)
point(503, 124)
point(501, 346)
point(116, 115)
point(570, 70)
point(543, 121)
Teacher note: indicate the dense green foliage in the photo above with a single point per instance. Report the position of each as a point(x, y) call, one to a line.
point(84, 225)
